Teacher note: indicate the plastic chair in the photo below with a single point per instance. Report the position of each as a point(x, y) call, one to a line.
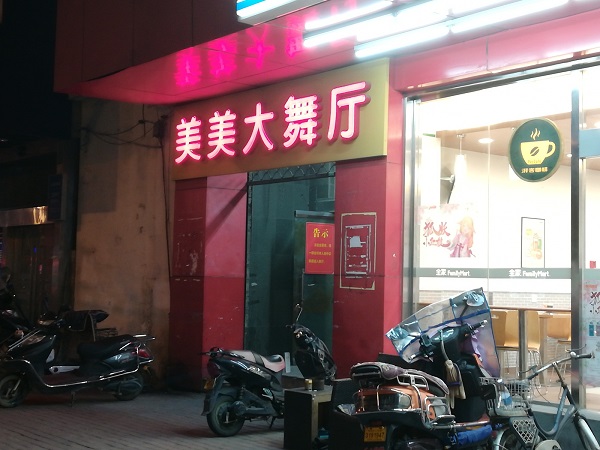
point(559, 329)
point(534, 340)
point(505, 324)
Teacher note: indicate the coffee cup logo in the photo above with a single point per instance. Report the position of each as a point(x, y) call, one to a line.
point(535, 152)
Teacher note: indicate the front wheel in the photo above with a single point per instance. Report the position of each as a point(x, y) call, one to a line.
point(585, 433)
point(222, 420)
point(13, 390)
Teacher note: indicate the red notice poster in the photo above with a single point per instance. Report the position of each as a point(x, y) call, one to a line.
point(319, 248)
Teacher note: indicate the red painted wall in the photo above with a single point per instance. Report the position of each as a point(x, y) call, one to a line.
point(208, 279)
point(362, 317)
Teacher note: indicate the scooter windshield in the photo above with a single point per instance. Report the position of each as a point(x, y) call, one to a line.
point(469, 307)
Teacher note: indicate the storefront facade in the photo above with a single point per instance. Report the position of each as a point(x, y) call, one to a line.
point(520, 226)
point(428, 111)
point(434, 123)
point(339, 118)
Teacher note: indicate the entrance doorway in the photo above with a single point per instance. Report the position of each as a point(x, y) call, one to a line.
point(280, 203)
point(27, 252)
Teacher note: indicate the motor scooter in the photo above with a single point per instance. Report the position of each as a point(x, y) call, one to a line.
point(445, 392)
point(113, 364)
point(247, 386)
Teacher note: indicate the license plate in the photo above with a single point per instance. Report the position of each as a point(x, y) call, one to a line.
point(374, 434)
point(209, 384)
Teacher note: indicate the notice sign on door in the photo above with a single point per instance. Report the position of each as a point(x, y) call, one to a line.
point(319, 248)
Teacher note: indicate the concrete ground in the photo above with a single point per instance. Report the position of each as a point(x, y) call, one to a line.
point(155, 420)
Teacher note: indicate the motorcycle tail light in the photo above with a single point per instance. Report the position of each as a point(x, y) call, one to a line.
point(144, 353)
point(213, 369)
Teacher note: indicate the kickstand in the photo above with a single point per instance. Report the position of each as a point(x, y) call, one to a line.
point(72, 399)
point(272, 422)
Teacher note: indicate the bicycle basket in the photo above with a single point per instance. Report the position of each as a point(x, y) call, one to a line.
point(511, 399)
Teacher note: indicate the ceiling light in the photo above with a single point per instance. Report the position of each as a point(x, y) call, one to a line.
point(253, 12)
point(402, 40)
point(486, 140)
point(502, 14)
point(406, 19)
point(332, 34)
point(465, 6)
point(350, 14)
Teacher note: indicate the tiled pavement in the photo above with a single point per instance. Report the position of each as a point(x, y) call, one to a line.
point(155, 420)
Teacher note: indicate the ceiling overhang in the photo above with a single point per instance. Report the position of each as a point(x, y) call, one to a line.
point(261, 55)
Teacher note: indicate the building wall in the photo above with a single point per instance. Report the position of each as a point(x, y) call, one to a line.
point(96, 38)
point(121, 253)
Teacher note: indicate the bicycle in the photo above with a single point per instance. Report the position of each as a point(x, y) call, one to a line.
point(566, 412)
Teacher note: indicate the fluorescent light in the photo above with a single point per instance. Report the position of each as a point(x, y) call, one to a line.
point(333, 34)
point(486, 140)
point(465, 6)
point(402, 40)
point(351, 14)
point(406, 19)
point(503, 13)
point(254, 12)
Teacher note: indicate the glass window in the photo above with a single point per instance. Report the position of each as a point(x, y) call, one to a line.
point(493, 202)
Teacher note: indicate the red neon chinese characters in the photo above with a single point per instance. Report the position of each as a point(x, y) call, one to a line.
point(222, 133)
point(338, 101)
point(189, 139)
point(259, 129)
point(301, 115)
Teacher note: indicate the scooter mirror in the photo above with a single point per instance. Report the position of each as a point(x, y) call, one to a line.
point(297, 312)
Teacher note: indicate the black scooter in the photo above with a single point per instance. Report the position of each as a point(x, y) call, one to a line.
point(112, 364)
point(247, 386)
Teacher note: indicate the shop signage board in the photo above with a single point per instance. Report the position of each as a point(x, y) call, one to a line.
point(319, 248)
point(535, 150)
point(332, 116)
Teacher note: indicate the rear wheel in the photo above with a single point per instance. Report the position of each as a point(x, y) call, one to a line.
point(130, 387)
point(222, 420)
point(13, 390)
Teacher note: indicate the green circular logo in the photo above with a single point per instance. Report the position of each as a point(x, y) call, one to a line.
point(535, 150)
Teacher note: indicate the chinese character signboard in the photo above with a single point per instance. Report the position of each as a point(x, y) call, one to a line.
point(319, 248)
point(333, 116)
point(535, 150)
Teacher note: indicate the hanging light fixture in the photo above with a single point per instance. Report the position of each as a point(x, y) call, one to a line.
point(460, 161)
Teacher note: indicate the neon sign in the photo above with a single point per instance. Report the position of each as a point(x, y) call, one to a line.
point(301, 115)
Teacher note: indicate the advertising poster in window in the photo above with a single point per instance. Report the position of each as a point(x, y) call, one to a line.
point(533, 241)
point(452, 236)
point(589, 329)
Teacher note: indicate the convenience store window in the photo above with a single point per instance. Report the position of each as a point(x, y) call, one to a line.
point(478, 221)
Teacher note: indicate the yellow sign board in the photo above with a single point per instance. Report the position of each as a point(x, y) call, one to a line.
point(333, 116)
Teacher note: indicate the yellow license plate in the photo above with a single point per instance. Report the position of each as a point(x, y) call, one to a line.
point(209, 384)
point(374, 434)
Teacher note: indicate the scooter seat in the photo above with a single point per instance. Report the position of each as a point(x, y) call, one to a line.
point(276, 363)
point(104, 347)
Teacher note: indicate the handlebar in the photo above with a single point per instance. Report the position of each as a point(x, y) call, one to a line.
point(556, 362)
